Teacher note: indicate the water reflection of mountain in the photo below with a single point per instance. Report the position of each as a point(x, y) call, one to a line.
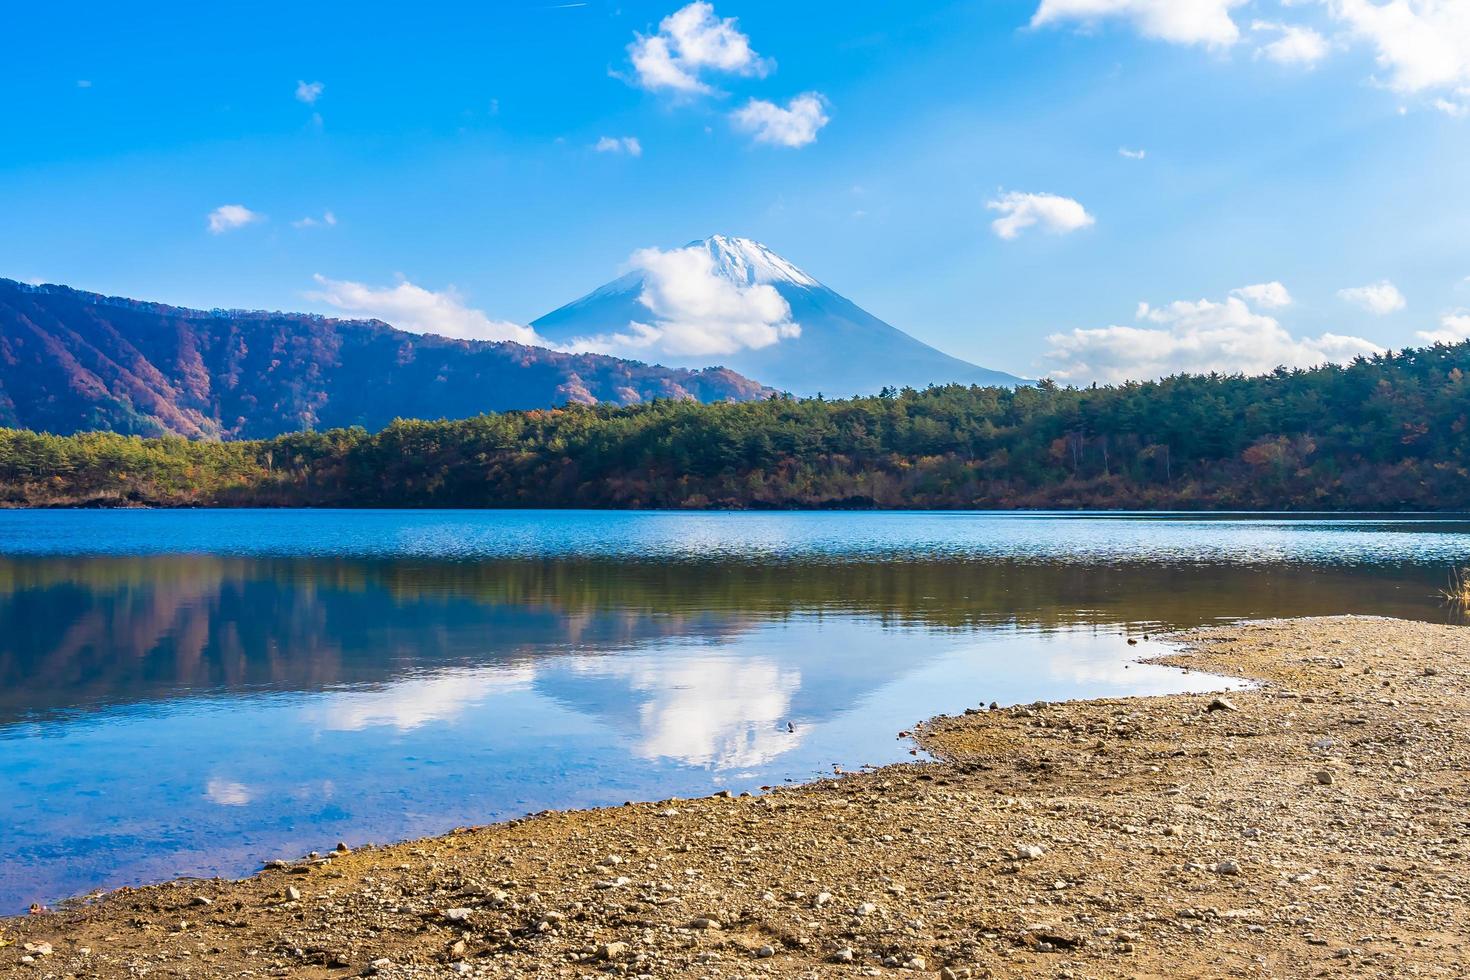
point(83, 633)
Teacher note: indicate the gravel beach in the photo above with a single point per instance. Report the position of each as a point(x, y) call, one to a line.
point(1315, 825)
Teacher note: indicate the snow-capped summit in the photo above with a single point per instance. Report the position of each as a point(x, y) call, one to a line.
point(682, 308)
point(748, 262)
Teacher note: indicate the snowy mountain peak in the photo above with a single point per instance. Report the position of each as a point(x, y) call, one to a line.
point(748, 262)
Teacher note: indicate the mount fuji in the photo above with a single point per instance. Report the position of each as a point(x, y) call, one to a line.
point(826, 344)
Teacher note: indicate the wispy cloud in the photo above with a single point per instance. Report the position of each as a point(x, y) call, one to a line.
point(1126, 153)
point(1196, 337)
point(327, 220)
point(228, 217)
point(794, 125)
point(1294, 44)
point(1048, 212)
point(619, 144)
point(419, 310)
point(309, 92)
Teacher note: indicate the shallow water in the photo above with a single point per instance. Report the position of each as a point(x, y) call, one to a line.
point(194, 692)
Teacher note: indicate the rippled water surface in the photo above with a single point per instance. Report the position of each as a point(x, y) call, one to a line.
point(193, 692)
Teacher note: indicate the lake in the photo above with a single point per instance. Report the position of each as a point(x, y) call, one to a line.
point(193, 692)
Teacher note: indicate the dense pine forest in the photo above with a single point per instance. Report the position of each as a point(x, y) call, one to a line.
point(1380, 433)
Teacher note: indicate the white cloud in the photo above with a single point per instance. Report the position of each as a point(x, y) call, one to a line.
point(1423, 45)
point(409, 704)
point(1050, 212)
point(1379, 298)
point(327, 220)
point(1196, 337)
point(619, 144)
point(309, 92)
point(1138, 154)
point(694, 311)
point(84, 83)
point(689, 41)
point(795, 125)
point(1264, 295)
point(704, 711)
point(1453, 328)
point(228, 217)
point(1295, 45)
point(418, 310)
point(1205, 22)
point(224, 792)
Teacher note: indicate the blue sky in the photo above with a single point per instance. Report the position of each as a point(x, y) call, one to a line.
point(455, 147)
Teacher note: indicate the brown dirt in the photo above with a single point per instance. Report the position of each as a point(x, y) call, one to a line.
point(1174, 841)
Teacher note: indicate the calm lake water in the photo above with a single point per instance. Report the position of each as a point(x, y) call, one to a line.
point(190, 693)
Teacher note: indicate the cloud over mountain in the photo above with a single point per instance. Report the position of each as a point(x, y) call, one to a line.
point(694, 311)
point(733, 301)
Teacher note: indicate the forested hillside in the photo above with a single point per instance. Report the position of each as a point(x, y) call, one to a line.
point(1382, 433)
point(72, 361)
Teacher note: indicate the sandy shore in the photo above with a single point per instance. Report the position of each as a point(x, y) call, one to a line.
point(1316, 826)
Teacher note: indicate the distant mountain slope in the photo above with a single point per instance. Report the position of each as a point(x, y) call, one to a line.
point(72, 361)
point(842, 349)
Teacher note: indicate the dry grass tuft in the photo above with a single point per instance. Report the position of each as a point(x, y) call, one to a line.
point(1459, 591)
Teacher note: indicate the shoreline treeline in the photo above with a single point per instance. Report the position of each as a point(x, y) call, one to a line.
point(1387, 432)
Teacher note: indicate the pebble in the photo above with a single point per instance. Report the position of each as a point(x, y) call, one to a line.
point(612, 951)
point(1029, 852)
point(844, 955)
point(1221, 704)
point(765, 952)
point(1227, 867)
point(1324, 777)
point(867, 908)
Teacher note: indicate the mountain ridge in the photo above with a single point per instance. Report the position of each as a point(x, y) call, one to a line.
point(841, 350)
point(74, 361)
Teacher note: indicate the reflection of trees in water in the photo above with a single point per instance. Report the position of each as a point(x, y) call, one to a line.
point(75, 632)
